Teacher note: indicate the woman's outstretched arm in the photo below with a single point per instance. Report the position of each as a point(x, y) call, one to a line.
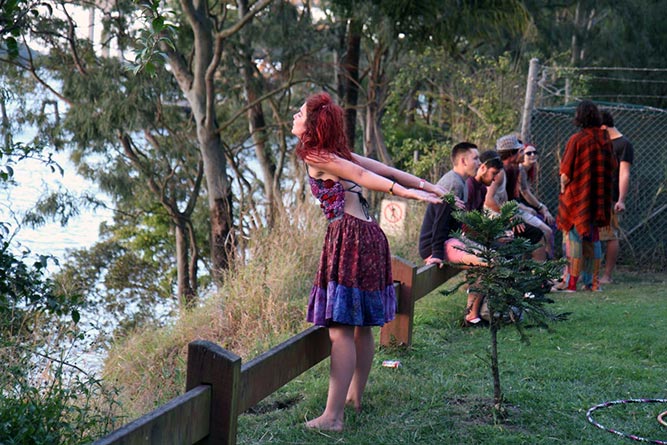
point(364, 175)
point(403, 178)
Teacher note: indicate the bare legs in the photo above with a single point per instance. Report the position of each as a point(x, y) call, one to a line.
point(365, 346)
point(472, 307)
point(610, 260)
point(539, 254)
point(352, 350)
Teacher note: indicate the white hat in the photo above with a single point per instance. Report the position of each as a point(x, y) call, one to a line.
point(508, 142)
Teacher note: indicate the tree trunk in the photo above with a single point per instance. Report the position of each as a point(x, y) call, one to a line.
point(187, 251)
point(377, 90)
point(257, 122)
point(185, 292)
point(194, 258)
point(350, 78)
point(495, 371)
point(374, 139)
point(196, 78)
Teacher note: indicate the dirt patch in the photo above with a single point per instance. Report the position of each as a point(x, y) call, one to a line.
point(276, 405)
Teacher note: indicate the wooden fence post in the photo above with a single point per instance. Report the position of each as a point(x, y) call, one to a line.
point(210, 364)
point(399, 330)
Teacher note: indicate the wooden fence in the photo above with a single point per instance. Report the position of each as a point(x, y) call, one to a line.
point(219, 387)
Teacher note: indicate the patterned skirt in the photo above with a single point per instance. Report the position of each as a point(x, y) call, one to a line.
point(353, 285)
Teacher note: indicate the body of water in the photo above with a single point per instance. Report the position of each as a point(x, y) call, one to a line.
point(33, 180)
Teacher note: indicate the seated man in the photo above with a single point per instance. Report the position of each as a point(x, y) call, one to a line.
point(436, 242)
point(490, 166)
point(465, 161)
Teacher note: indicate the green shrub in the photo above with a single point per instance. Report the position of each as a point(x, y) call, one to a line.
point(60, 411)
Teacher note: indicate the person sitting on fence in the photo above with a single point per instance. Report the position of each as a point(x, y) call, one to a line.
point(465, 162)
point(353, 288)
point(436, 243)
point(505, 188)
point(490, 166)
point(535, 212)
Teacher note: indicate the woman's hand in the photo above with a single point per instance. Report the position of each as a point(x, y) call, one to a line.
point(437, 189)
point(422, 195)
point(431, 260)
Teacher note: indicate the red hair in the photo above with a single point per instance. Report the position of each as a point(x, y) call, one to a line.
point(324, 134)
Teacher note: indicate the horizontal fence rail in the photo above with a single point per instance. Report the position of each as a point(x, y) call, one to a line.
point(165, 425)
point(267, 373)
point(219, 387)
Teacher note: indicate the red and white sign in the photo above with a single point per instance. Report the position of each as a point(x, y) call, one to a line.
point(392, 216)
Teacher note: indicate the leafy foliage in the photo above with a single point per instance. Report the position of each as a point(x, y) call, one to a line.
point(14, 15)
point(40, 403)
point(513, 282)
point(24, 290)
point(514, 285)
point(437, 101)
point(148, 56)
point(60, 410)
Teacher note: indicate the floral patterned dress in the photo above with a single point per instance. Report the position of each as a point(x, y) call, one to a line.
point(353, 285)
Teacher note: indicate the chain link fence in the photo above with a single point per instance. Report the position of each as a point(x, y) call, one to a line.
point(644, 223)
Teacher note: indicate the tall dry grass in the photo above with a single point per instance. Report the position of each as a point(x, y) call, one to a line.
point(261, 303)
point(406, 244)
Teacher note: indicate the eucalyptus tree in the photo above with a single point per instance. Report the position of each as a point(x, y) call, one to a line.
point(391, 29)
point(153, 124)
point(194, 60)
point(274, 58)
point(226, 50)
point(127, 133)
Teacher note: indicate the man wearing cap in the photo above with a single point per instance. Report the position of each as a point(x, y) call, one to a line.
point(505, 188)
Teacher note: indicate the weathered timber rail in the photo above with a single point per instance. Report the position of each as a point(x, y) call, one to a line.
point(219, 388)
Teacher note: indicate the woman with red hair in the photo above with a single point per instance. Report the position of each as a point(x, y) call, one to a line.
point(353, 288)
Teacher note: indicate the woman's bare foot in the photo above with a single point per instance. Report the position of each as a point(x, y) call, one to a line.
point(356, 405)
point(322, 423)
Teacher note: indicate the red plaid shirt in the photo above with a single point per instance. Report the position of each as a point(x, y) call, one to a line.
point(589, 163)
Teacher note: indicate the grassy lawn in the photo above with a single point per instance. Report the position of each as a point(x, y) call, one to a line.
point(613, 346)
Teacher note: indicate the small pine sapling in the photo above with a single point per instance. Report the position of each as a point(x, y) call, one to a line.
point(513, 285)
